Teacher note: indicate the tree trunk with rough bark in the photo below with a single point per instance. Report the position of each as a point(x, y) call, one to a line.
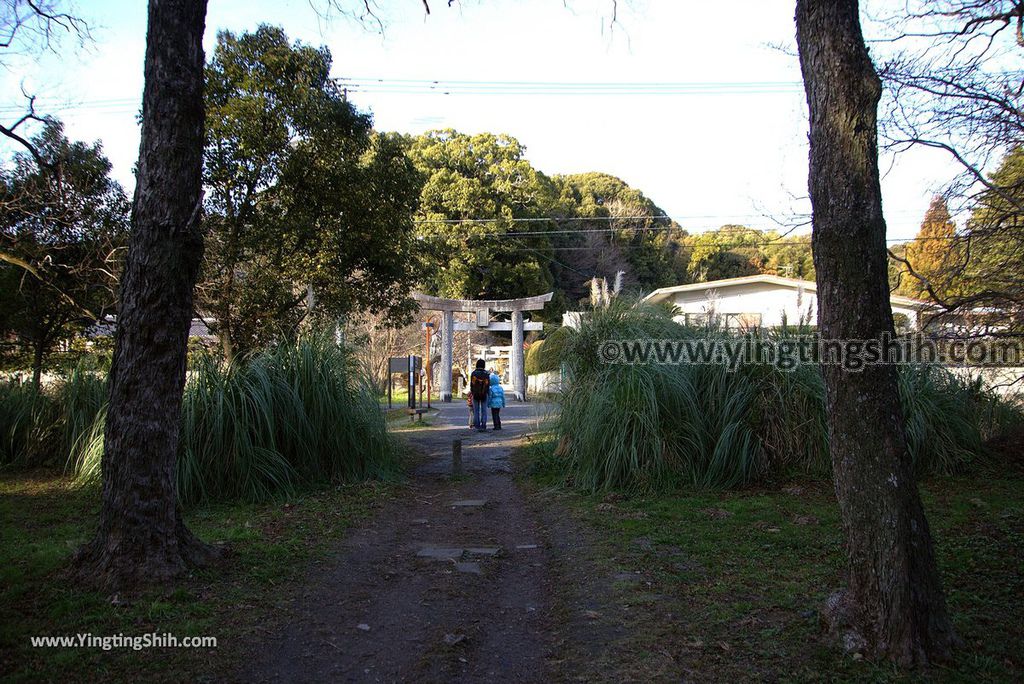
point(38, 351)
point(893, 606)
point(142, 538)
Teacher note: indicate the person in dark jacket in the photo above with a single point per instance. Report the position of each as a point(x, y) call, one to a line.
point(479, 390)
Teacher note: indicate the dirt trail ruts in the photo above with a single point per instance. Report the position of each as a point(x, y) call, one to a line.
point(378, 610)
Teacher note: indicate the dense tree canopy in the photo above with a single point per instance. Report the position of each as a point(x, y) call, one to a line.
point(61, 235)
point(480, 194)
point(975, 275)
point(305, 202)
point(617, 228)
point(994, 241)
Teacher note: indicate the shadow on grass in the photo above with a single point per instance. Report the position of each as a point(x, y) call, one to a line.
point(727, 585)
point(44, 519)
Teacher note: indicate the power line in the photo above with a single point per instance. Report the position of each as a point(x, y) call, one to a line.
point(588, 219)
point(409, 86)
point(781, 241)
point(412, 86)
point(551, 258)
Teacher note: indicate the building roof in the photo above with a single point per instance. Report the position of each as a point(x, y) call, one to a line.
point(663, 293)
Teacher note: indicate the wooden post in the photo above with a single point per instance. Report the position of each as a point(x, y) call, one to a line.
point(430, 329)
point(411, 384)
point(456, 458)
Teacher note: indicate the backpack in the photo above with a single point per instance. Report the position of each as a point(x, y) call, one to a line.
point(479, 384)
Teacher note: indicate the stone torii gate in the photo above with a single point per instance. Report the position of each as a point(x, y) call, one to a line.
point(483, 309)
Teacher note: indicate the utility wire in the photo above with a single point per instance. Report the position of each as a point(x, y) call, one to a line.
point(781, 239)
point(588, 219)
point(464, 87)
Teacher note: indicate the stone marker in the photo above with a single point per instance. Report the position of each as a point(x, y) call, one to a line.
point(525, 547)
point(471, 568)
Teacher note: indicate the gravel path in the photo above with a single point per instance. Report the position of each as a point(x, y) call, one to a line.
point(452, 581)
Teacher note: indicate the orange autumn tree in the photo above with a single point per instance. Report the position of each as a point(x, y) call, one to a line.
point(934, 257)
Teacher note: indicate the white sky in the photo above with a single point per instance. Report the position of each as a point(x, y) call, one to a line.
point(706, 159)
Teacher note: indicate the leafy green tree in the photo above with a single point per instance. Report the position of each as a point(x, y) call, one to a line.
point(305, 204)
point(994, 272)
point(61, 238)
point(491, 225)
point(788, 256)
point(487, 177)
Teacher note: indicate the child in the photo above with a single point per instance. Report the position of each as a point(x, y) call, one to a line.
point(496, 398)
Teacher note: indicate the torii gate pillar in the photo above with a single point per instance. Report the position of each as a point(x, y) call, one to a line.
point(447, 335)
point(517, 369)
point(483, 308)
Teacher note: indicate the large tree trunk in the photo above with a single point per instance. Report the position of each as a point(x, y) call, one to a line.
point(141, 537)
point(893, 606)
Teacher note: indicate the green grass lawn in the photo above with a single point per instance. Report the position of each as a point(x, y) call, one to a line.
point(43, 520)
point(721, 586)
point(399, 419)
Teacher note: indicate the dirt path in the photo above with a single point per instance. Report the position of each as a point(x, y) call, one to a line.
point(452, 582)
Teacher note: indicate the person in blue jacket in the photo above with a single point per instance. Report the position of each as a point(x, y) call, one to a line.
point(496, 398)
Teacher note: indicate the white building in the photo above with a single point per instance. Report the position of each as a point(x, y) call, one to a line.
point(763, 301)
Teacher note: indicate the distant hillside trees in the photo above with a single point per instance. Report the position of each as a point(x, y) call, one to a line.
point(734, 251)
point(613, 227)
point(491, 225)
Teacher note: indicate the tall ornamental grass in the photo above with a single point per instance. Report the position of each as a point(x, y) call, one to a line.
point(647, 427)
point(291, 417)
point(41, 426)
point(27, 418)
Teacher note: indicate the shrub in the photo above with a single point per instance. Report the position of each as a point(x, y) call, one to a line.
point(544, 356)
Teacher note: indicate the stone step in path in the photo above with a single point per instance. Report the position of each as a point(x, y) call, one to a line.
point(456, 553)
point(470, 503)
